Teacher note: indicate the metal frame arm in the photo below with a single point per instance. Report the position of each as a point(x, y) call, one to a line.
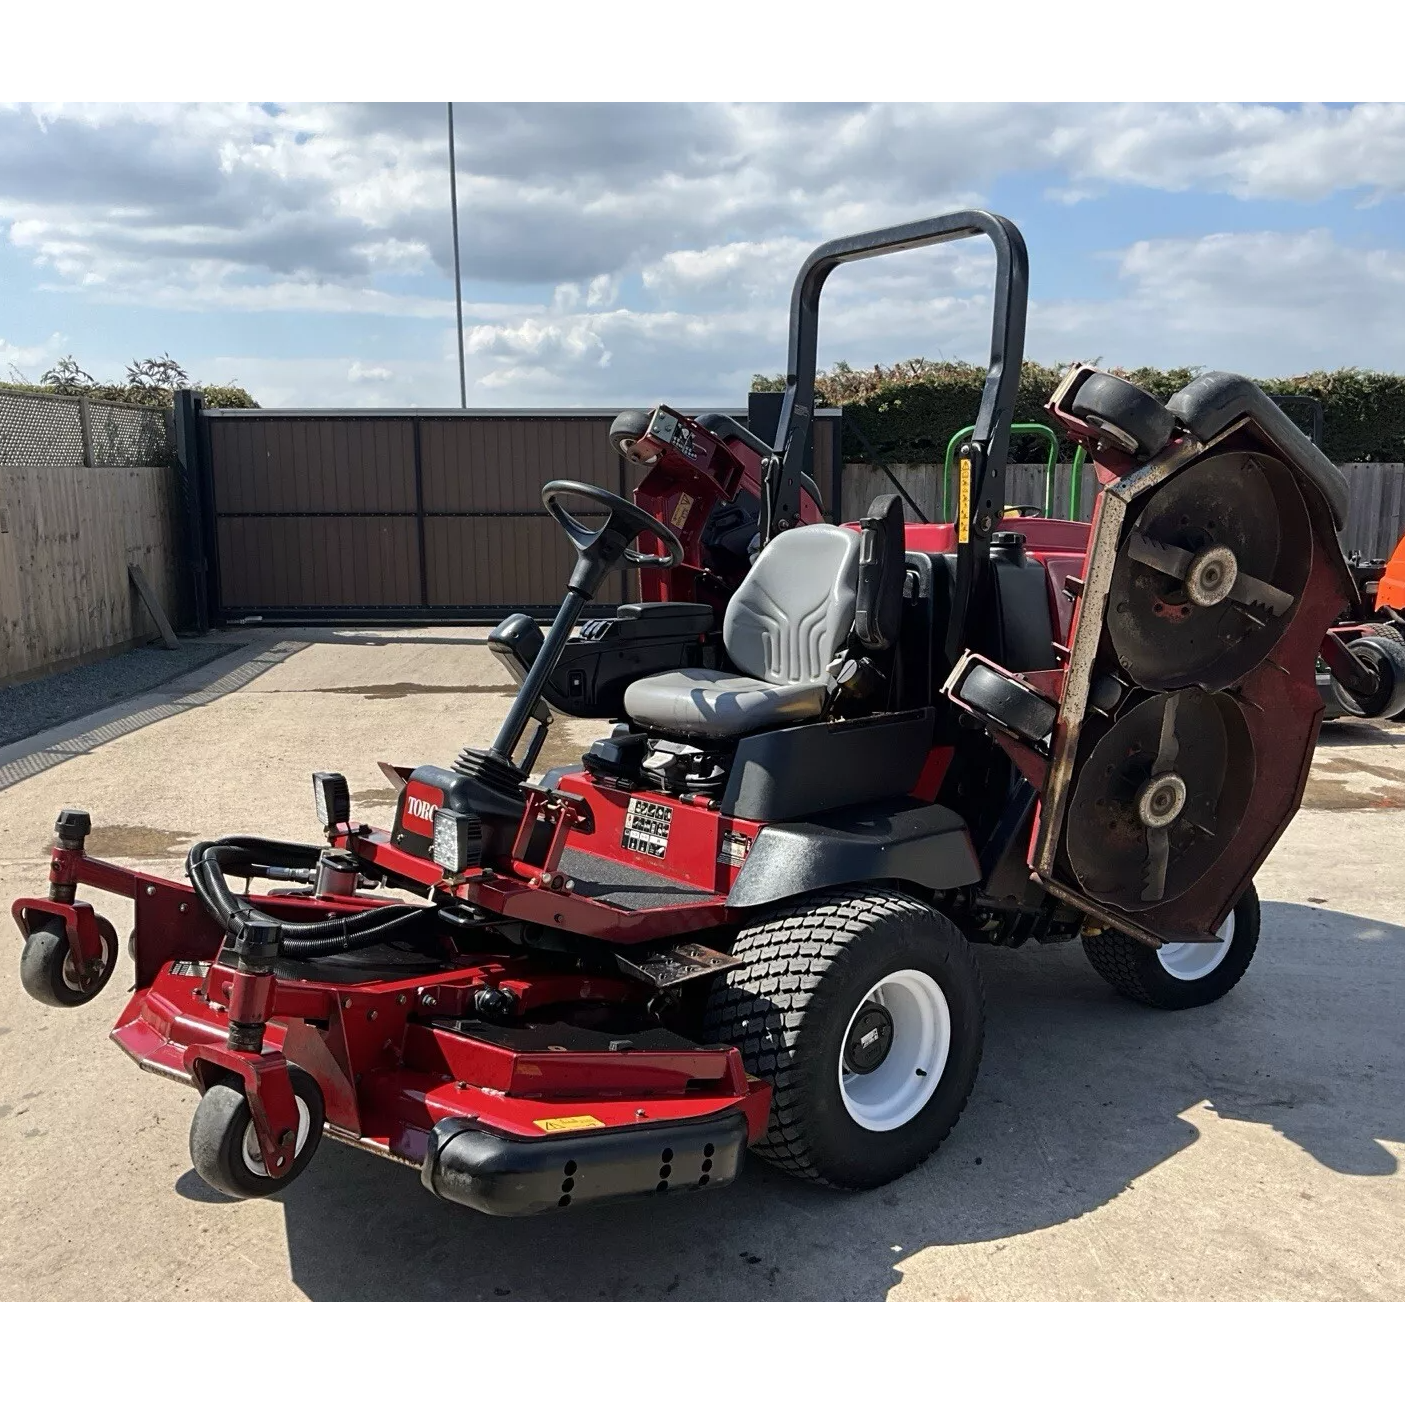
point(983, 457)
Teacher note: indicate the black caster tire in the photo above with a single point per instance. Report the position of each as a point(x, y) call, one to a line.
point(1140, 416)
point(1386, 654)
point(224, 1148)
point(47, 971)
point(863, 1008)
point(626, 427)
point(1182, 975)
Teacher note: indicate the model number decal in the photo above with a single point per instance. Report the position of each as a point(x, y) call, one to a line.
point(646, 826)
point(735, 845)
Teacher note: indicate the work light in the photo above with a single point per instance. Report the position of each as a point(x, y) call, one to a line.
point(333, 799)
point(458, 840)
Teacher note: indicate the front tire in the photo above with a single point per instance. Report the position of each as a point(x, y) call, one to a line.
point(47, 969)
point(224, 1148)
point(1179, 975)
point(863, 1009)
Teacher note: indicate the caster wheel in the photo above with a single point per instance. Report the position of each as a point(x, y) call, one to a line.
point(47, 970)
point(224, 1148)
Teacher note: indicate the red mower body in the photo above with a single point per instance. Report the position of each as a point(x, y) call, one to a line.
point(743, 918)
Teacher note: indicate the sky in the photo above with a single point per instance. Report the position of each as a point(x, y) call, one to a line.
point(632, 254)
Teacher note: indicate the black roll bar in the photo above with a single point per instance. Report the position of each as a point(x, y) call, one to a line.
point(989, 445)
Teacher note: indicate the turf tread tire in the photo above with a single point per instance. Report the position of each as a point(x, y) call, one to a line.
point(1132, 969)
point(812, 946)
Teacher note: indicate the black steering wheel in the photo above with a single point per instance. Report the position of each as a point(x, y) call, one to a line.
point(602, 549)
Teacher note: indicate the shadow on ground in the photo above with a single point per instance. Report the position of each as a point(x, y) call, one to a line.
point(1079, 1094)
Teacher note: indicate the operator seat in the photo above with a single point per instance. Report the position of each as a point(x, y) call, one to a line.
point(789, 618)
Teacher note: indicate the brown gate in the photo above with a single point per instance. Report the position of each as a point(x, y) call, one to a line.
point(392, 514)
point(350, 514)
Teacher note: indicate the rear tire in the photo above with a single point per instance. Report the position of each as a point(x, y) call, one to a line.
point(1180, 975)
point(845, 996)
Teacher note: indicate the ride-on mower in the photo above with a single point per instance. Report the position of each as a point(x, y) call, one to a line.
point(746, 917)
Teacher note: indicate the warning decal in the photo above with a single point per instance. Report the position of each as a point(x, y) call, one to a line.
point(580, 1123)
point(646, 826)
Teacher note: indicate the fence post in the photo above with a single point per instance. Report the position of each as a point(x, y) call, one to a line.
point(188, 405)
point(86, 429)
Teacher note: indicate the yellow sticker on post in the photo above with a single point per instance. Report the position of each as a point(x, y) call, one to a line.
point(963, 506)
point(583, 1122)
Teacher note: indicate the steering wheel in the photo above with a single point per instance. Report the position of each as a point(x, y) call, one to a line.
point(599, 551)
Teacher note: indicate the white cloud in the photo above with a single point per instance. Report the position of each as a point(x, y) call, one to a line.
point(633, 252)
point(1265, 303)
point(29, 362)
point(358, 373)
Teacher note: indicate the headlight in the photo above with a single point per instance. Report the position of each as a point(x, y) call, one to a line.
point(333, 798)
point(458, 841)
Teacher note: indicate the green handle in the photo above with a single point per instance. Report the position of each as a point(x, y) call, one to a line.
point(1035, 429)
point(1075, 484)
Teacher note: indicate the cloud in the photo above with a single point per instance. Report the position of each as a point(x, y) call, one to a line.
point(29, 362)
point(618, 253)
point(113, 198)
point(358, 373)
point(1266, 303)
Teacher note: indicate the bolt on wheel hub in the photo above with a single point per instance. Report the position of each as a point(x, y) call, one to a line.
point(870, 1037)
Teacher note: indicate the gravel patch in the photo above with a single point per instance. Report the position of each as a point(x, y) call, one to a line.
point(29, 708)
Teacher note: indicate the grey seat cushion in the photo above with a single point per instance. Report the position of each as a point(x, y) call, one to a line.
point(701, 702)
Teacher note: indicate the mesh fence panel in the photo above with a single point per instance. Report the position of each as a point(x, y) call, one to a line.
point(46, 431)
point(40, 431)
point(125, 435)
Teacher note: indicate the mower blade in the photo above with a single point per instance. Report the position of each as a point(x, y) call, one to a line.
point(1158, 857)
point(1173, 561)
point(1249, 590)
point(1168, 748)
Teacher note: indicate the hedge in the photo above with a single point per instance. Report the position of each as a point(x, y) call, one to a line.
point(217, 397)
point(908, 411)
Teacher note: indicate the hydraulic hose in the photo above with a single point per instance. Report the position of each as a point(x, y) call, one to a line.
point(211, 860)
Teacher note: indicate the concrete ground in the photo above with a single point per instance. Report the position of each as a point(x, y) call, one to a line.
point(1248, 1150)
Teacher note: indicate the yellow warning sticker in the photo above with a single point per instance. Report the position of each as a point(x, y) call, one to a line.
point(963, 508)
point(680, 513)
point(579, 1123)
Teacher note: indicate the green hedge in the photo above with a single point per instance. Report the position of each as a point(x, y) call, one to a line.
point(217, 397)
point(908, 411)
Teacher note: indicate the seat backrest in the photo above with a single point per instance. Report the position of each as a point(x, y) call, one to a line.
point(882, 565)
point(793, 612)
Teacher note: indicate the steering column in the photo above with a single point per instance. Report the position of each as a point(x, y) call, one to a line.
point(598, 552)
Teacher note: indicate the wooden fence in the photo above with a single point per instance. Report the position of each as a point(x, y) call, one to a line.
point(87, 489)
point(67, 536)
point(1375, 523)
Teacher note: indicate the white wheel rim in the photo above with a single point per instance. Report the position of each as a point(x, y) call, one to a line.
point(899, 1088)
point(1193, 961)
point(69, 972)
point(253, 1153)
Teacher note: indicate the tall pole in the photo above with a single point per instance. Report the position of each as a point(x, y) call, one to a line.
point(458, 281)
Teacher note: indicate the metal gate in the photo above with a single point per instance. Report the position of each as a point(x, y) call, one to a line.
point(387, 514)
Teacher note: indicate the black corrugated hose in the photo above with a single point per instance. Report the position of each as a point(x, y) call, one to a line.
point(211, 860)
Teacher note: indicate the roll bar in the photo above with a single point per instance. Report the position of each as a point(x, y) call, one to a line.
point(983, 456)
